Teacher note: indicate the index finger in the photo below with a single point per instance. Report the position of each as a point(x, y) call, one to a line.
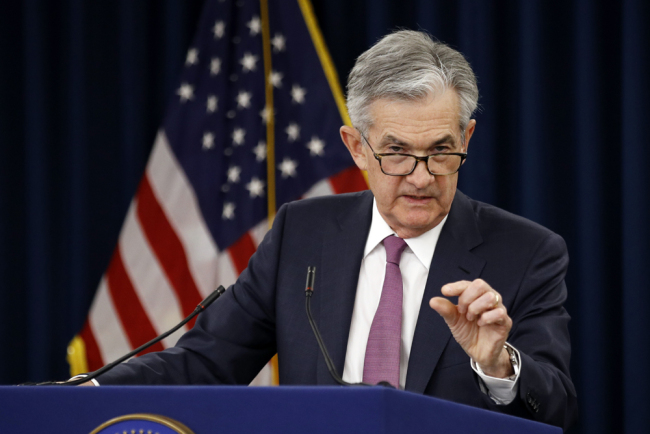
point(455, 288)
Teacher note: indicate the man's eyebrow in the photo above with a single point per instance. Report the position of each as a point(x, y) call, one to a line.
point(446, 139)
point(392, 139)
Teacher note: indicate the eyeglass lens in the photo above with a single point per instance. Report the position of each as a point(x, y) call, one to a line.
point(404, 164)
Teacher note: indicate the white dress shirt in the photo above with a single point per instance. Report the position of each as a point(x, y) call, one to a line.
point(414, 266)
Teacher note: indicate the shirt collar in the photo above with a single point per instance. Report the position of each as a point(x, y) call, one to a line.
point(422, 246)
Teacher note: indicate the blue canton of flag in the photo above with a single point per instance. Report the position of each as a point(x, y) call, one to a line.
point(217, 122)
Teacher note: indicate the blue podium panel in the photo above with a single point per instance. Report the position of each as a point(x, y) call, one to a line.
point(241, 410)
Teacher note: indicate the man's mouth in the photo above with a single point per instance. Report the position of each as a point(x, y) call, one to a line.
point(417, 199)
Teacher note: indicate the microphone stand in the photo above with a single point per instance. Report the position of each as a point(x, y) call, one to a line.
point(309, 291)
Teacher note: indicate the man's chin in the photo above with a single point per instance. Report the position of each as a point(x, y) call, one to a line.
point(414, 225)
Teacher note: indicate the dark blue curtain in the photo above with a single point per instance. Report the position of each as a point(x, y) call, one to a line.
point(560, 139)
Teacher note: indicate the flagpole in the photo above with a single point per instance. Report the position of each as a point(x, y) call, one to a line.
point(270, 138)
point(270, 123)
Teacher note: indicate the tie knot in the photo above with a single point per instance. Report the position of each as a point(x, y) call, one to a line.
point(394, 247)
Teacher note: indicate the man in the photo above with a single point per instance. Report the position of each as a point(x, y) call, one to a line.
point(389, 260)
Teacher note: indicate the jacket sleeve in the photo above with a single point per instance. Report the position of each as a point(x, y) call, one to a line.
point(231, 341)
point(540, 333)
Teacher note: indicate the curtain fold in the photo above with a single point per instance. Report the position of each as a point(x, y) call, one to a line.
point(635, 194)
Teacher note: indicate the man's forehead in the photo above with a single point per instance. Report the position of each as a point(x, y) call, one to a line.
point(429, 107)
point(396, 120)
point(393, 139)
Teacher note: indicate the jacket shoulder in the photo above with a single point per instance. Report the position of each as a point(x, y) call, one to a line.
point(494, 221)
point(332, 200)
point(323, 207)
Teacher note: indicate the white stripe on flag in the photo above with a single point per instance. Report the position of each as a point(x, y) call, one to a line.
point(258, 232)
point(321, 188)
point(226, 274)
point(149, 280)
point(264, 377)
point(106, 326)
point(178, 200)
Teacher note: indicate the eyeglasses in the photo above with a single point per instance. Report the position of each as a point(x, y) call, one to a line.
point(441, 164)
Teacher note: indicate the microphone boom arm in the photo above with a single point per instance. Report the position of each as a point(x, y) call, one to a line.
point(309, 290)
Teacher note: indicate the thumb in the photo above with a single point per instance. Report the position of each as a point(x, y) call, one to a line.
point(445, 308)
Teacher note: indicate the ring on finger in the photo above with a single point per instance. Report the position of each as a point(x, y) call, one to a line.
point(496, 303)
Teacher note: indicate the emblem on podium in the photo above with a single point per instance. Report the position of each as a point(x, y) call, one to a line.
point(142, 423)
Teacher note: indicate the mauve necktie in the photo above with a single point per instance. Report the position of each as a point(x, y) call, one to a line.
point(383, 349)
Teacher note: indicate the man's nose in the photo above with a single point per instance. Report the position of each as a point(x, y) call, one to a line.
point(420, 177)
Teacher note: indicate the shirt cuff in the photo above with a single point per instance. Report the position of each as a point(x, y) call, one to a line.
point(92, 380)
point(501, 390)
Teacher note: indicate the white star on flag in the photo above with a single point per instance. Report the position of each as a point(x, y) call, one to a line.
point(208, 140)
point(228, 211)
point(260, 151)
point(212, 104)
point(275, 78)
point(215, 66)
point(279, 43)
point(233, 174)
point(244, 99)
point(255, 25)
point(298, 94)
point(266, 114)
point(192, 57)
point(288, 167)
point(316, 146)
point(293, 132)
point(238, 136)
point(186, 92)
point(255, 187)
point(219, 29)
point(248, 62)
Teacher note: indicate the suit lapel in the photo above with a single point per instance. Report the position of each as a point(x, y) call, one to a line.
point(342, 255)
point(452, 261)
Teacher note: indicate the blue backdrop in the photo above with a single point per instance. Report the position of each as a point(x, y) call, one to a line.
point(560, 139)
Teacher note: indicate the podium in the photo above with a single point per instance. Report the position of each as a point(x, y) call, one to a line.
point(242, 410)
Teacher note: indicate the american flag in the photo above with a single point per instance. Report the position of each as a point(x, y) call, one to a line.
point(206, 197)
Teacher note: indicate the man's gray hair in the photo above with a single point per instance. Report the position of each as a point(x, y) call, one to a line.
point(409, 66)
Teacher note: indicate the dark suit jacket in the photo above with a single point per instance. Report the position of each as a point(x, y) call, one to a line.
point(264, 312)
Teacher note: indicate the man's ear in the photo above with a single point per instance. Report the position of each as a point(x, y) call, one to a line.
point(352, 140)
point(469, 131)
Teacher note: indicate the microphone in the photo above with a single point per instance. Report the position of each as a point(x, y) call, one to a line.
point(309, 291)
point(199, 308)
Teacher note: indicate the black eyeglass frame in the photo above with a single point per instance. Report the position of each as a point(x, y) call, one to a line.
point(425, 159)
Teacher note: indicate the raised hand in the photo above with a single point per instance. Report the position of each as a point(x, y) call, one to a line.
point(479, 323)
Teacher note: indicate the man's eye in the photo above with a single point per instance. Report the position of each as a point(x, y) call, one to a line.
point(440, 149)
point(395, 149)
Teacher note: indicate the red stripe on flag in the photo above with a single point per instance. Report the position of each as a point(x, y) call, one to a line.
point(348, 181)
point(241, 251)
point(134, 319)
point(93, 356)
point(168, 248)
